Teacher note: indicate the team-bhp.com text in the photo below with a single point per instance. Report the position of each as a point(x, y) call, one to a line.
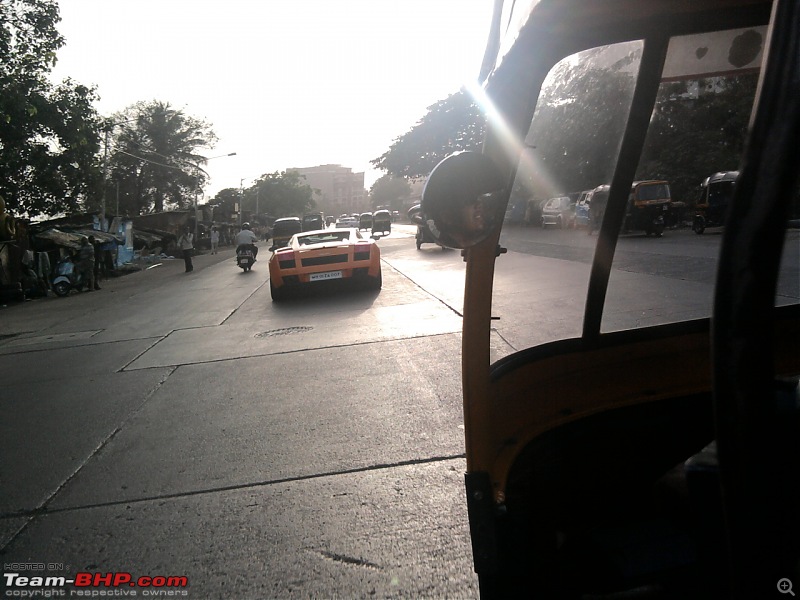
point(94, 585)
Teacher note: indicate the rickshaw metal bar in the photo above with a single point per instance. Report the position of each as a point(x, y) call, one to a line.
point(757, 445)
point(481, 514)
point(654, 54)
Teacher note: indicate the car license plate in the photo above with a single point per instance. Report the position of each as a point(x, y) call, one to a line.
point(324, 276)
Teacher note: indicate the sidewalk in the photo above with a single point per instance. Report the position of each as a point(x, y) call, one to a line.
point(42, 313)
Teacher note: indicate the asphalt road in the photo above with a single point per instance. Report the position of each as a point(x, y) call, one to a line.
point(182, 425)
point(179, 424)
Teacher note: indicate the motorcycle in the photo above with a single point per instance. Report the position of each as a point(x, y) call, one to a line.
point(67, 277)
point(245, 259)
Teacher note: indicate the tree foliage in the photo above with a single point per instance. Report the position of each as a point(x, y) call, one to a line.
point(278, 194)
point(389, 191)
point(453, 124)
point(49, 135)
point(156, 160)
point(697, 127)
point(577, 126)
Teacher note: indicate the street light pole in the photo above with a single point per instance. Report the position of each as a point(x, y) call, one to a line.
point(241, 201)
point(109, 125)
point(196, 186)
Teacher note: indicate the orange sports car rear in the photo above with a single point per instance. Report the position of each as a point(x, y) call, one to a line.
point(314, 257)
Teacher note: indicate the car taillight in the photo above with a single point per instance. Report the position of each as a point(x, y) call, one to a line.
point(361, 251)
point(286, 260)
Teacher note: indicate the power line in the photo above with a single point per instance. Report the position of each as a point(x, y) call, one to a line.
point(147, 160)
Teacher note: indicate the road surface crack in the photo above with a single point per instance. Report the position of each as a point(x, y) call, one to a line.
point(348, 560)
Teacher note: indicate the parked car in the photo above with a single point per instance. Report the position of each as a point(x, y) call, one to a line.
point(283, 230)
point(346, 222)
point(382, 222)
point(324, 255)
point(559, 211)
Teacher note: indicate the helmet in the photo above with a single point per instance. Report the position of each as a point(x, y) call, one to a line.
point(245, 225)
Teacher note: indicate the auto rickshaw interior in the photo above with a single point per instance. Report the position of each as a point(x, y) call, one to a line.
point(599, 436)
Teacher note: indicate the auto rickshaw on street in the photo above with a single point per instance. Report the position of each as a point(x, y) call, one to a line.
point(713, 205)
point(648, 204)
point(635, 432)
point(382, 222)
point(283, 229)
point(424, 234)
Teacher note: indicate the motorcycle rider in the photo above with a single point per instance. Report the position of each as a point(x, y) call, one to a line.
point(246, 240)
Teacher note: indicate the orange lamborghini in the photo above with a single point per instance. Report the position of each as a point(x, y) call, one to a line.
point(323, 255)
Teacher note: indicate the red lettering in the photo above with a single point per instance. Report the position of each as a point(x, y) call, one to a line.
point(83, 579)
point(105, 580)
point(159, 581)
point(121, 578)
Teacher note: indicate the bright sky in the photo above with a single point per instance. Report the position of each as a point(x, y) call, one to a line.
point(295, 83)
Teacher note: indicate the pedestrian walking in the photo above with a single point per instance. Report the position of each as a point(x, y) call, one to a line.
point(214, 240)
point(186, 244)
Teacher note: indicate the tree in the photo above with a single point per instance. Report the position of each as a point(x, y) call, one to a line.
point(578, 123)
point(455, 123)
point(279, 194)
point(225, 204)
point(156, 159)
point(49, 135)
point(698, 128)
point(389, 191)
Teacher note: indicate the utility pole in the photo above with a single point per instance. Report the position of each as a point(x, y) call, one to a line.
point(109, 125)
point(241, 201)
point(105, 177)
point(196, 186)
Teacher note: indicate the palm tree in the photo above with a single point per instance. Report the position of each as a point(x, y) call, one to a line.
point(156, 153)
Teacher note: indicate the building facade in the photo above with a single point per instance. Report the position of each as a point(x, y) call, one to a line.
point(337, 190)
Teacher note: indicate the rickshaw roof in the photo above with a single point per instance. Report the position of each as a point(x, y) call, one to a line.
point(722, 177)
point(564, 27)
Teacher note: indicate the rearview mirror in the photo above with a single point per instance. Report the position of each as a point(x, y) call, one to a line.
point(462, 200)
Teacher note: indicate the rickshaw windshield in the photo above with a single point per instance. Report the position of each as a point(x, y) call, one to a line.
point(653, 191)
point(595, 384)
point(667, 274)
point(572, 145)
point(662, 272)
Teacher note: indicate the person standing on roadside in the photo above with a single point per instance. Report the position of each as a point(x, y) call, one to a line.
point(98, 261)
point(85, 260)
point(186, 244)
point(214, 239)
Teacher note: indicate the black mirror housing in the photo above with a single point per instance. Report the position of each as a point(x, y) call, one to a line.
point(462, 200)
